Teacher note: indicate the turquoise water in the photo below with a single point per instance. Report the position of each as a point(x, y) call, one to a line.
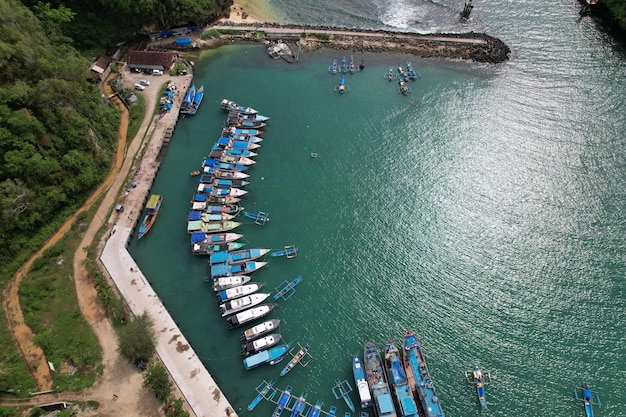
point(484, 211)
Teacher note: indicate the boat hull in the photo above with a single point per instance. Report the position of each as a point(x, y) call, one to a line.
point(259, 330)
point(152, 210)
point(250, 315)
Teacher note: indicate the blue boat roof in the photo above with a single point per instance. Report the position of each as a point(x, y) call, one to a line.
point(194, 215)
point(219, 257)
point(385, 404)
point(408, 404)
point(239, 256)
point(199, 197)
point(197, 237)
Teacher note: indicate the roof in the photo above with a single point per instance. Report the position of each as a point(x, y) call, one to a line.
point(151, 58)
point(153, 201)
point(101, 64)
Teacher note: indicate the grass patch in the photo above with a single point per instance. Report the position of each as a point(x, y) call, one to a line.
point(321, 36)
point(48, 300)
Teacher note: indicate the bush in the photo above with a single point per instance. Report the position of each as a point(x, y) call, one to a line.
point(157, 379)
point(137, 339)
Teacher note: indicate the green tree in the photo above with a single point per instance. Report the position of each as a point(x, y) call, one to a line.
point(137, 339)
point(157, 379)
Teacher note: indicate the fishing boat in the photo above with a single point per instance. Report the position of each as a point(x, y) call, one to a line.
point(225, 283)
point(248, 117)
point(239, 304)
point(197, 99)
point(287, 289)
point(195, 215)
point(344, 65)
point(231, 209)
point(240, 131)
point(263, 390)
point(249, 315)
point(298, 407)
point(588, 397)
point(230, 105)
point(340, 391)
point(332, 411)
point(390, 74)
point(239, 291)
point(418, 375)
point(226, 270)
point(377, 381)
point(188, 99)
point(152, 210)
point(333, 69)
point(221, 153)
point(361, 383)
point(226, 175)
point(316, 410)
point(341, 87)
point(200, 201)
point(265, 356)
point(260, 344)
point(214, 163)
point(289, 252)
point(259, 330)
point(398, 381)
point(479, 377)
point(203, 248)
point(238, 143)
point(198, 226)
point(215, 239)
point(237, 256)
point(246, 124)
point(402, 75)
point(411, 71)
point(283, 401)
point(362, 65)
point(403, 88)
point(236, 160)
point(221, 183)
point(261, 216)
point(352, 67)
point(299, 356)
point(244, 138)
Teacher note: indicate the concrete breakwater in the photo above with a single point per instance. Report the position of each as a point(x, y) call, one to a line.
point(478, 47)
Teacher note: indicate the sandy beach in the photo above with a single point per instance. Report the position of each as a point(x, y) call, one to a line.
point(251, 11)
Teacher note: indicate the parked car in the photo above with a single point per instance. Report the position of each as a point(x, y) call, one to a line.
point(157, 72)
point(144, 82)
point(139, 87)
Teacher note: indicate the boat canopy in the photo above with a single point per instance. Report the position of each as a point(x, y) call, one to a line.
point(200, 197)
point(153, 201)
point(385, 404)
point(194, 215)
point(219, 257)
point(198, 237)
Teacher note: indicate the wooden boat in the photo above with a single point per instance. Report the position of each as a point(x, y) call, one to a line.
point(239, 304)
point(231, 209)
point(225, 283)
point(342, 389)
point(299, 356)
point(247, 124)
point(265, 356)
point(236, 160)
point(195, 173)
point(214, 163)
point(413, 75)
point(403, 88)
point(344, 65)
point(214, 217)
point(215, 239)
point(289, 252)
point(398, 381)
point(332, 411)
point(201, 201)
point(361, 383)
point(237, 256)
point(375, 374)
point(263, 389)
point(362, 65)
point(152, 210)
point(259, 330)
point(198, 226)
point(221, 153)
point(588, 397)
point(248, 143)
point(241, 131)
point(287, 289)
point(261, 216)
point(479, 378)
point(341, 87)
point(282, 402)
point(221, 183)
point(203, 248)
point(249, 315)
point(316, 410)
point(352, 67)
point(243, 138)
point(188, 99)
point(390, 76)
point(247, 117)
point(298, 407)
point(239, 291)
point(226, 270)
point(333, 69)
point(220, 192)
point(192, 108)
point(260, 344)
point(402, 75)
point(418, 376)
point(226, 175)
point(231, 105)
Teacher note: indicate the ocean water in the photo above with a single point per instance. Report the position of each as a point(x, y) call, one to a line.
point(484, 211)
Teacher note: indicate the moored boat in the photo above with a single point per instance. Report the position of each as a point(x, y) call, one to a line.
point(203, 248)
point(188, 98)
point(298, 407)
point(225, 283)
point(231, 105)
point(260, 344)
point(152, 210)
point(398, 381)
point(316, 410)
point(377, 381)
point(239, 304)
point(226, 270)
point(340, 391)
point(304, 350)
point(197, 99)
point(241, 131)
point(418, 375)
point(215, 239)
point(259, 330)
point(262, 392)
point(238, 256)
point(257, 216)
point(198, 226)
point(221, 183)
point(195, 215)
point(333, 69)
point(479, 378)
point(284, 398)
point(265, 356)
point(226, 175)
point(239, 291)
point(249, 315)
point(361, 383)
point(290, 252)
point(247, 117)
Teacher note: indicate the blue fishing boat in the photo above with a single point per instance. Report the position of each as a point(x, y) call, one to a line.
point(342, 389)
point(228, 131)
point(333, 69)
point(259, 218)
point(283, 400)
point(411, 71)
point(298, 407)
point(297, 358)
point(219, 153)
point(361, 383)
point(263, 390)
point(589, 397)
point(152, 210)
point(289, 251)
point(377, 381)
point(226, 270)
point(341, 87)
point(479, 377)
point(402, 75)
point(265, 356)
point(332, 411)
point(344, 65)
point(398, 381)
point(197, 99)
point(222, 183)
point(316, 409)
point(188, 99)
point(389, 76)
point(214, 163)
point(287, 289)
point(418, 376)
point(230, 105)
point(237, 256)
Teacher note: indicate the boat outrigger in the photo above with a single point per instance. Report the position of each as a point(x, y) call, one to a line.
point(290, 251)
point(286, 289)
point(342, 389)
point(264, 390)
point(283, 401)
point(479, 377)
point(297, 358)
point(589, 397)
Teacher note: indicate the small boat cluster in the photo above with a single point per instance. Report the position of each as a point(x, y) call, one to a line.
point(403, 77)
point(344, 68)
point(191, 101)
point(167, 100)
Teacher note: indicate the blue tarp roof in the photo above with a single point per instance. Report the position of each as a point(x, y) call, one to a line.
point(219, 257)
point(197, 237)
point(194, 215)
point(199, 197)
point(183, 41)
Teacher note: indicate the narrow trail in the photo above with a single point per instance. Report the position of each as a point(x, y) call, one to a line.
point(121, 386)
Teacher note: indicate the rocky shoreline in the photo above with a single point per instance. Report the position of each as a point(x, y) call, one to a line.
point(478, 47)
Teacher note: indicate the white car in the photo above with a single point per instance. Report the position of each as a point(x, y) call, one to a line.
point(139, 87)
point(157, 72)
point(144, 82)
